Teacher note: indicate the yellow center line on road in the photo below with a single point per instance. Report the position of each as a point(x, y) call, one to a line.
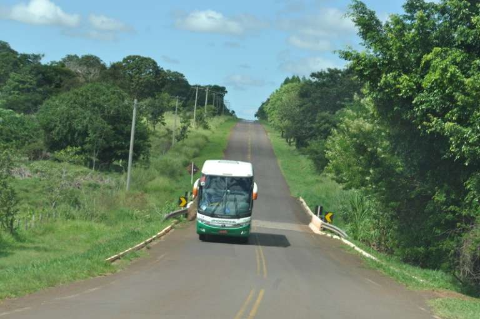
point(257, 253)
point(264, 263)
point(254, 310)
point(262, 257)
point(245, 304)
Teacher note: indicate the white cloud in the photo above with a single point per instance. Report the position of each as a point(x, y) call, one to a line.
point(310, 43)
point(307, 65)
point(104, 23)
point(329, 22)
point(210, 21)
point(318, 31)
point(240, 82)
point(170, 60)
point(91, 34)
point(41, 12)
point(232, 45)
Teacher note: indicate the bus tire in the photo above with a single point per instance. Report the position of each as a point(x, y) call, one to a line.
point(244, 240)
point(202, 237)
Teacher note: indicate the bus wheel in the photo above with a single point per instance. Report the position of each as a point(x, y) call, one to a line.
point(244, 240)
point(202, 237)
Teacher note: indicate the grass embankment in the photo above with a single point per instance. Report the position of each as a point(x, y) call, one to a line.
point(94, 216)
point(458, 301)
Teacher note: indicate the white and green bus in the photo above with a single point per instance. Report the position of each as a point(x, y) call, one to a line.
point(225, 194)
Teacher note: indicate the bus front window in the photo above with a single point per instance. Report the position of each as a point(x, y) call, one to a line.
point(226, 197)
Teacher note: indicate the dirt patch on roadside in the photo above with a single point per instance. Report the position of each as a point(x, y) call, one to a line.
point(434, 294)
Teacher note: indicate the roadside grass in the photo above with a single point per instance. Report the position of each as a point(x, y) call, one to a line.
point(449, 308)
point(454, 300)
point(94, 216)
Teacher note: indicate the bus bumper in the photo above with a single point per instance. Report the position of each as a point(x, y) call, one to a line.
point(243, 231)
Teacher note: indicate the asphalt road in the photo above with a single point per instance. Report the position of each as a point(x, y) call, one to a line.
point(285, 271)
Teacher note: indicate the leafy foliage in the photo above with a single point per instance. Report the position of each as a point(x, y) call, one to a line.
point(305, 111)
point(421, 75)
point(8, 196)
point(17, 130)
point(95, 118)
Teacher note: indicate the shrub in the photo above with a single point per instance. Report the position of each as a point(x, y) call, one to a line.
point(8, 196)
point(18, 130)
point(70, 155)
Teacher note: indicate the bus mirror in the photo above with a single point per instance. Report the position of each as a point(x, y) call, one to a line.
point(195, 189)
point(255, 191)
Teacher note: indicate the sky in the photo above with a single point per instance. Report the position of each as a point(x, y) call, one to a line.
point(248, 46)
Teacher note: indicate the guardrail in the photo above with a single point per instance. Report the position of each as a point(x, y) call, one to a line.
point(318, 224)
point(183, 211)
point(334, 229)
point(176, 213)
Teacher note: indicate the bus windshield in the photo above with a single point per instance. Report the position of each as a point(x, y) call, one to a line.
point(226, 197)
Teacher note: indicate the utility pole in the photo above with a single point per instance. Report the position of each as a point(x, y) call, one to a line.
point(175, 123)
point(132, 138)
point(206, 101)
point(195, 107)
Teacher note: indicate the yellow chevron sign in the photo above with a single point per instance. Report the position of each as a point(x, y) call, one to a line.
point(182, 201)
point(329, 217)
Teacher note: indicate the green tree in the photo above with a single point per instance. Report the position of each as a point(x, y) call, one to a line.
point(9, 62)
point(154, 108)
point(21, 93)
point(88, 67)
point(176, 84)
point(421, 70)
point(18, 130)
point(95, 118)
point(143, 76)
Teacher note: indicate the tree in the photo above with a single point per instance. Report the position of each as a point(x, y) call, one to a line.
point(9, 62)
point(309, 119)
point(176, 84)
point(18, 130)
point(421, 71)
point(22, 93)
point(143, 75)
point(154, 108)
point(185, 123)
point(96, 118)
point(87, 67)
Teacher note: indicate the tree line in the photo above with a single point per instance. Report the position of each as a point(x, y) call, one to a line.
point(401, 124)
point(82, 104)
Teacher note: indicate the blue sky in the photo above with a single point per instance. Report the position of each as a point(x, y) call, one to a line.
point(247, 46)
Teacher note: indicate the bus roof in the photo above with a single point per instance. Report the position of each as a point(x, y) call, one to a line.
point(227, 168)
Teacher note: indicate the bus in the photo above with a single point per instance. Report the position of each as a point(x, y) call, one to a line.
point(225, 194)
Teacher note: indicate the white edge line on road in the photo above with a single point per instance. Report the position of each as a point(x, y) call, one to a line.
point(144, 243)
point(14, 311)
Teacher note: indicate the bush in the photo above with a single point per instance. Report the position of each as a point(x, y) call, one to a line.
point(8, 196)
point(469, 264)
point(18, 130)
point(70, 155)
